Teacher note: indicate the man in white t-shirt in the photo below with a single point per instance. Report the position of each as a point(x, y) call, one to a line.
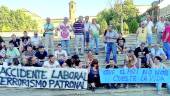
point(65, 30)
point(51, 63)
point(35, 41)
point(61, 54)
point(149, 27)
point(95, 28)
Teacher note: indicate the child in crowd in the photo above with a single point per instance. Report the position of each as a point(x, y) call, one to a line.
point(121, 44)
point(130, 62)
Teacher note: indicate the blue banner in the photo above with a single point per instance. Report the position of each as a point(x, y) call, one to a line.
point(142, 75)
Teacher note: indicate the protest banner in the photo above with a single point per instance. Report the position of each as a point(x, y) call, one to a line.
point(36, 77)
point(142, 75)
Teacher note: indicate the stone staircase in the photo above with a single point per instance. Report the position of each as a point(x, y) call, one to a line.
point(130, 42)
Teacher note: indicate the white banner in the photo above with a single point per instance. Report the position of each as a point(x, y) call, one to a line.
point(36, 77)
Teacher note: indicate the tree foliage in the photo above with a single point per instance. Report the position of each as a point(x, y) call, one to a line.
point(129, 12)
point(16, 20)
point(133, 26)
point(103, 25)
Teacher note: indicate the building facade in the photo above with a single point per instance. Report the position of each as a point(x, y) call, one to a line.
point(160, 8)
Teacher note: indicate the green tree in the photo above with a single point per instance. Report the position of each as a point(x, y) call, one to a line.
point(4, 17)
point(133, 25)
point(103, 25)
point(11, 20)
point(129, 12)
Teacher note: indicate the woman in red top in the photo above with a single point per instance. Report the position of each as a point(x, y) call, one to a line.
point(166, 40)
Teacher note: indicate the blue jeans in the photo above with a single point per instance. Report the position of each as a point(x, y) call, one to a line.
point(66, 45)
point(159, 86)
point(111, 47)
point(166, 47)
point(95, 41)
point(149, 39)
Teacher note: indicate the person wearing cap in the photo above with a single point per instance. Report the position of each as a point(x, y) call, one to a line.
point(141, 33)
point(160, 26)
point(166, 40)
point(157, 51)
point(65, 30)
point(149, 28)
point(49, 43)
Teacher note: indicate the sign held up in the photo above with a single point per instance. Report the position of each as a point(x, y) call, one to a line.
point(125, 75)
point(32, 77)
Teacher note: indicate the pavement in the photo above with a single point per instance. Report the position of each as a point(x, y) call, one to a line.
point(144, 91)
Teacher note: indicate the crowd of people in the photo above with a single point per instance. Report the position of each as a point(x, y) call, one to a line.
point(36, 52)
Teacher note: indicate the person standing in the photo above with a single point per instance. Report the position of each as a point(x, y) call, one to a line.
point(141, 34)
point(111, 38)
point(78, 28)
point(166, 40)
point(160, 26)
point(65, 30)
point(87, 32)
point(95, 28)
point(149, 30)
point(48, 29)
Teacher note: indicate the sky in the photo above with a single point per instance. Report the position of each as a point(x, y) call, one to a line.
point(60, 8)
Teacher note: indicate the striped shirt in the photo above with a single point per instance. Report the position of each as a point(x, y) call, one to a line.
point(79, 27)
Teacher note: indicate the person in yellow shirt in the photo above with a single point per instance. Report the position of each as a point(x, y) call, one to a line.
point(141, 34)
